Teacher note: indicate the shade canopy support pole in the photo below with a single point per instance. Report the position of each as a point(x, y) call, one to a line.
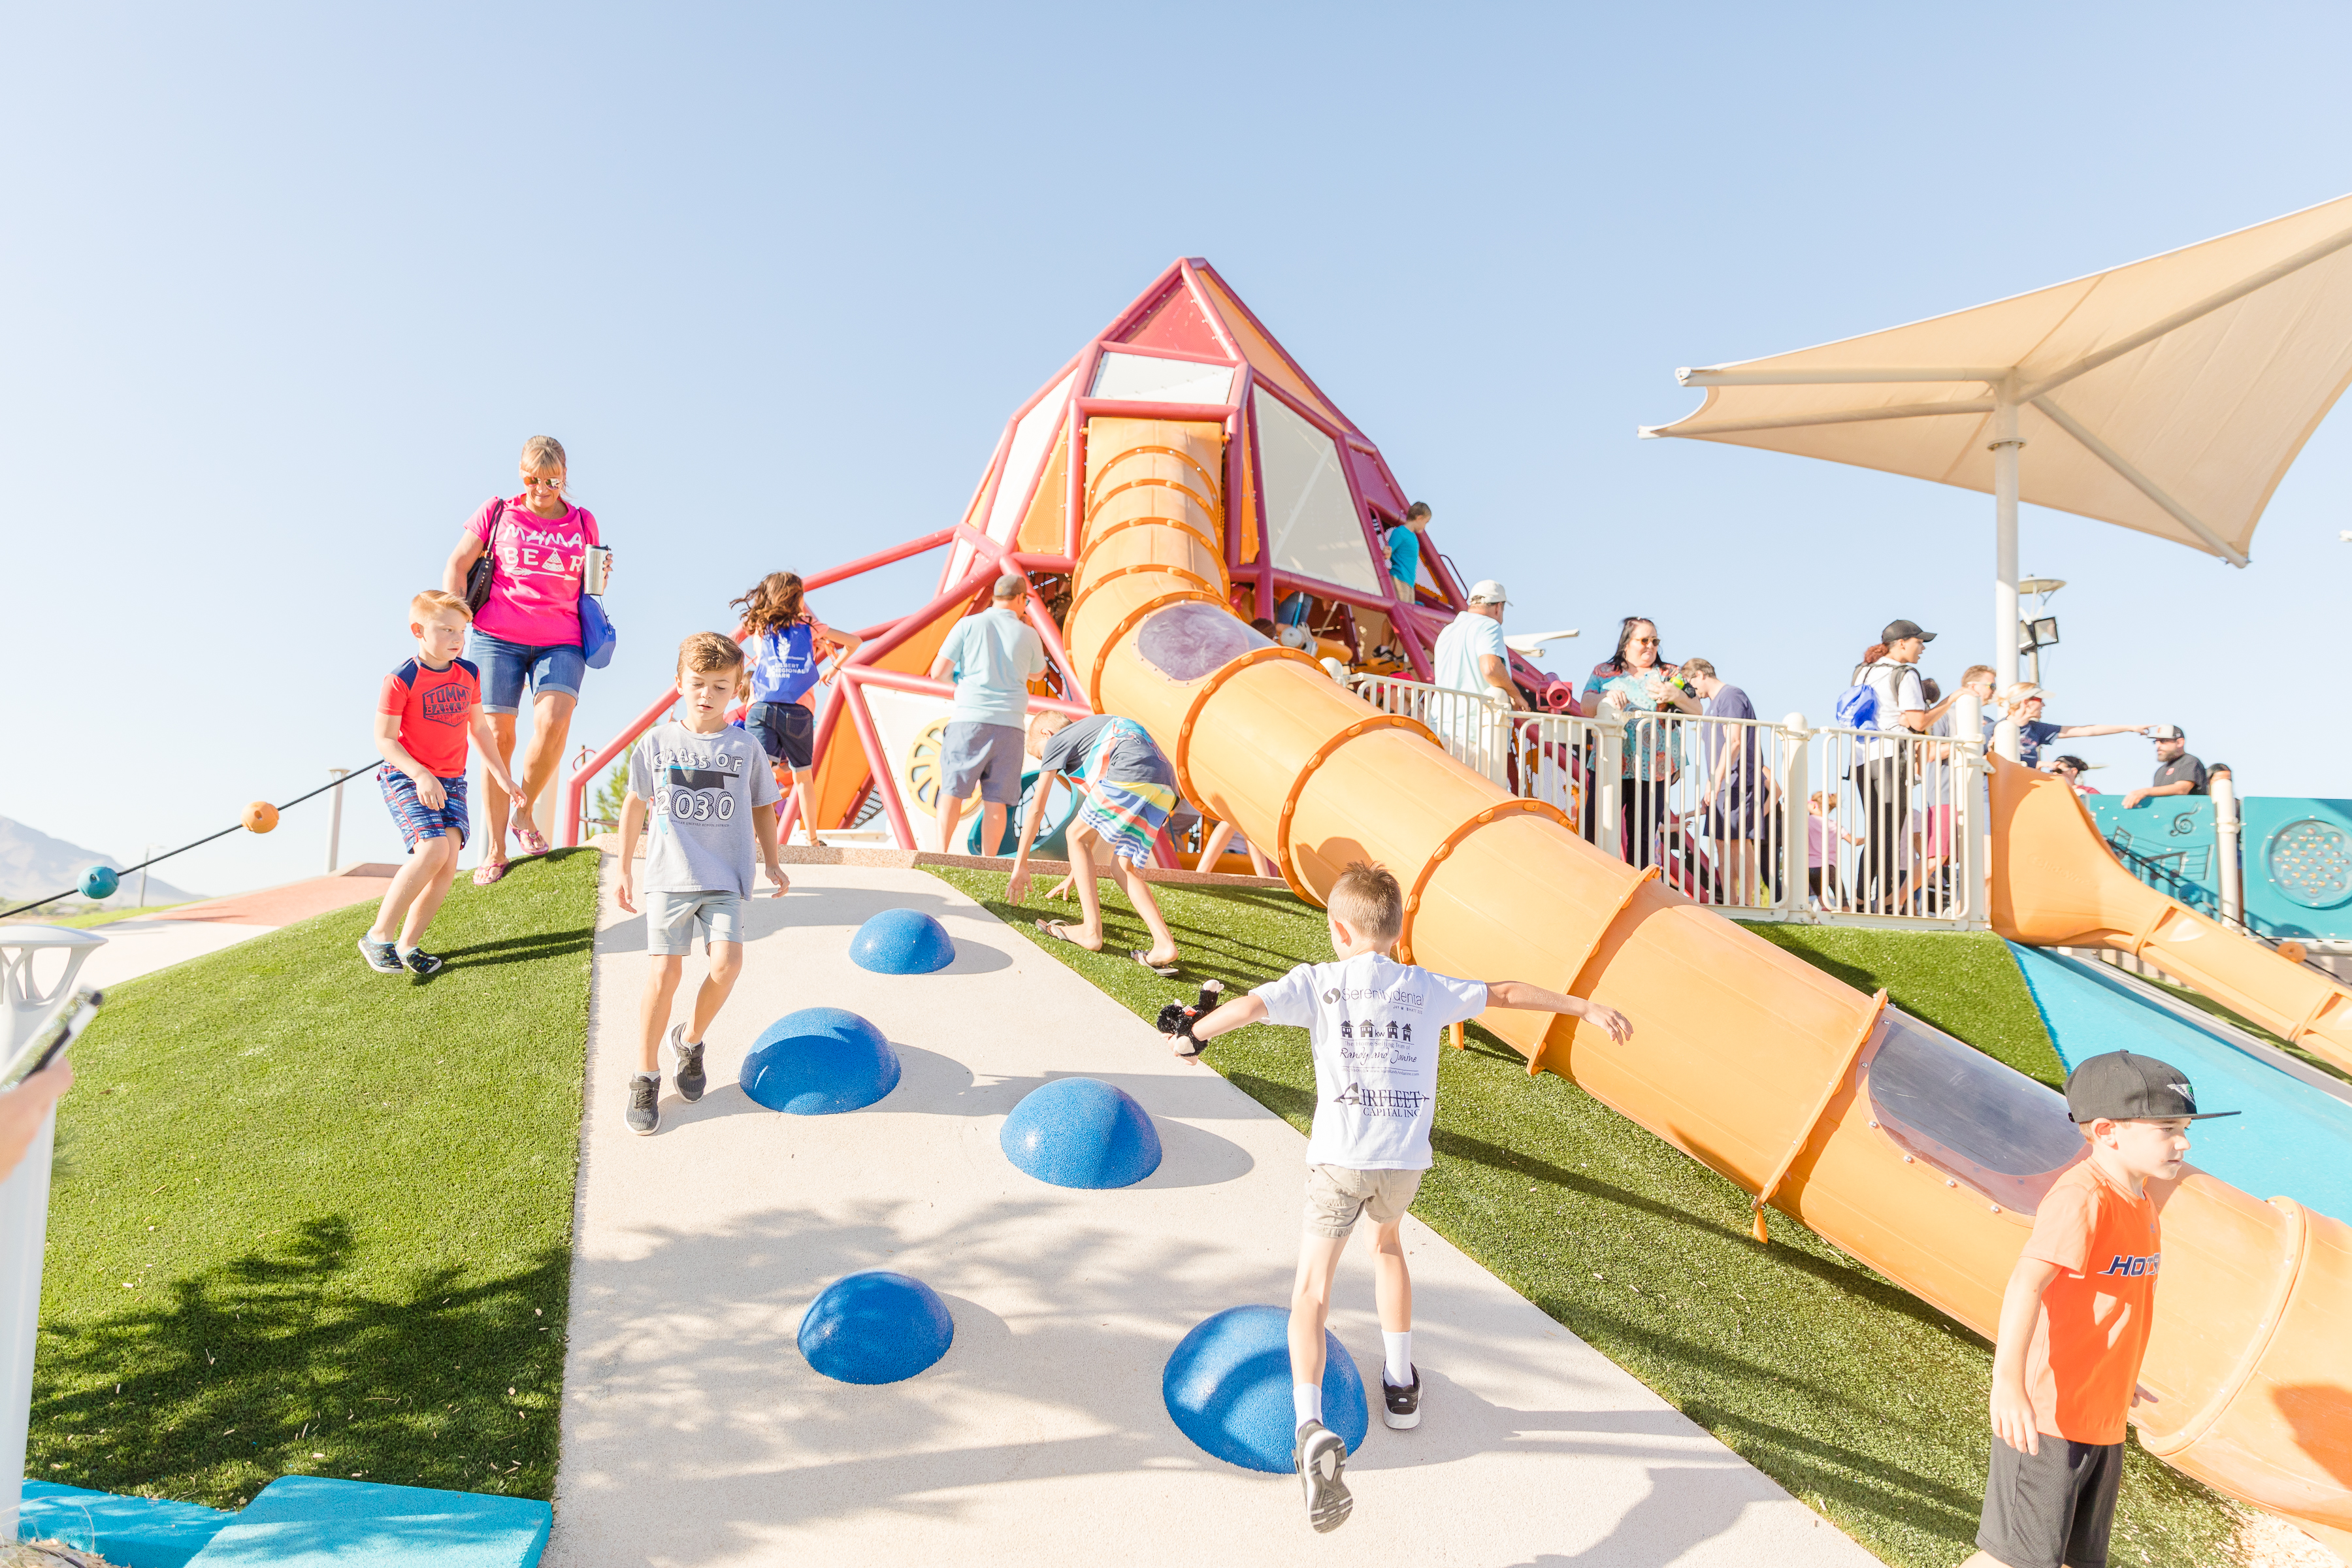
point(2004, 445)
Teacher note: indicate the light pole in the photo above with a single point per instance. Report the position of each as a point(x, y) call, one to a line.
point(2042, 631)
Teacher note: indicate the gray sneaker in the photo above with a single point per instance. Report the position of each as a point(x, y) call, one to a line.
point(644, 1113)
point(382, 956)
point(421, 962)
point(688, 1060)
point(1321, 1456)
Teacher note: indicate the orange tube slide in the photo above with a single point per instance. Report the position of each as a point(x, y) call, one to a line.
point(2054, 884)
point(1747, 1058)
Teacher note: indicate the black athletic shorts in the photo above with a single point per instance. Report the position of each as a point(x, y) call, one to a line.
point(2054, 1508)
point(785, 731)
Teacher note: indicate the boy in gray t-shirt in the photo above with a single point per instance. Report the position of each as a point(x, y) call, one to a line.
point(708, 791)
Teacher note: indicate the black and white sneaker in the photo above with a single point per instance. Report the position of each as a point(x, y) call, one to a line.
point(420, 962)
point(1320, 1456)
point(382, 956)
point(643, 1112)
point(688, 1061)
point(1404, 1407)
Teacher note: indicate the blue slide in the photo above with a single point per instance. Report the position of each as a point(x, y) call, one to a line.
point(2294, 1138)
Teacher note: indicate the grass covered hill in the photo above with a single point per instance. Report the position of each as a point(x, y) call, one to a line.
point(1848, 1392)
point(308, 1219)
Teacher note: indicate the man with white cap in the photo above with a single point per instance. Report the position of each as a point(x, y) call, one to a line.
point(1470, 655)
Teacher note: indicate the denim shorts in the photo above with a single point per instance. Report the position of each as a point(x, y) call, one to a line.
point(505, 665)
point(671, 919)
point(785, 731)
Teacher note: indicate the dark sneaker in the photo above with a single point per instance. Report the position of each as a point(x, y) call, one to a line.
point(381, 957)
point(420, 962)
point(644, 1113)
point(1403, 1409)
point(688, 1060)
point(1320, 1456)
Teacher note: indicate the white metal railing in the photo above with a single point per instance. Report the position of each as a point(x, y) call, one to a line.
point(1762, 820)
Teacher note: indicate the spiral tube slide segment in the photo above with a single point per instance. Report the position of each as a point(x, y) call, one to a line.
point(1908, 1150)
point(2054, 884)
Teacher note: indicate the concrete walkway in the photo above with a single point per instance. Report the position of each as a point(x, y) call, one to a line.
point(694, 1433)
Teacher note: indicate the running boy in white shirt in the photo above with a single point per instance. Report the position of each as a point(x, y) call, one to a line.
point(1375, 1026)
point(705, 788)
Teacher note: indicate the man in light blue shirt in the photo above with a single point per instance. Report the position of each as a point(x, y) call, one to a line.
point(991, 657)
point(1470, 655)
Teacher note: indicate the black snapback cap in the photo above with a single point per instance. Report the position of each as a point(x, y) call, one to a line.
point(1898, 630)
point(2128, 1087)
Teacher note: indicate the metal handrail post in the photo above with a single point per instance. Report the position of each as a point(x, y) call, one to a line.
point(1796, 820)
point(2230, 829)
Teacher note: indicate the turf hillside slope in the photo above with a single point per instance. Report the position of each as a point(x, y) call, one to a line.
point(1860, 1399)
point(311, 1219)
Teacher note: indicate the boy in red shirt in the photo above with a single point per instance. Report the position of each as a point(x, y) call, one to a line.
point(2076, 1317)
point(427, 708)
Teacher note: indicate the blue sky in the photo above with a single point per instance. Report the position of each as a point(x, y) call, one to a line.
point(285, 288)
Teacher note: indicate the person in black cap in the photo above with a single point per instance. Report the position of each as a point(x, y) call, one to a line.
point(2076, 1317)
point(2177, 772)
point(1884, 769)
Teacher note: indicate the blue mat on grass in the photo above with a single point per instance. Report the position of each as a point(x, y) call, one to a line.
point(310, 1521)
point(135, 1532)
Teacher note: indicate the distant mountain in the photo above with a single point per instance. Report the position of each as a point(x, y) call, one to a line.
point(33, 864)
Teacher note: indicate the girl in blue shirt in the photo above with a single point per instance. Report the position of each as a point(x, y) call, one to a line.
point(780, 646)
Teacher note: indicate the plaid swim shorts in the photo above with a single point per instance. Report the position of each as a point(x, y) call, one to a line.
point(416, 819)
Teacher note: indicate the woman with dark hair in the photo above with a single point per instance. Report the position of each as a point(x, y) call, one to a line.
point(1635, 681)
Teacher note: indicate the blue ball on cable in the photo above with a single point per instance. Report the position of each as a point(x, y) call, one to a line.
point(819, 1061)
point(1227, 1387)
point(99, 882)
point(902, 941)
point(1081, 1132)
point(875, 1327)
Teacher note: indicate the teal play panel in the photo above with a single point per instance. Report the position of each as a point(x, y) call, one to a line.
point(2170, 842)
point(134, 1532)
point(2291, 1140)
point(297, 1522)
point(2298, 858)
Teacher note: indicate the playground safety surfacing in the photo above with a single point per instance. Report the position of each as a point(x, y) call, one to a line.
point(695, 1434)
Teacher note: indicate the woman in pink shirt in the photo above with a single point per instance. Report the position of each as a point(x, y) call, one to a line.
point(528, 630)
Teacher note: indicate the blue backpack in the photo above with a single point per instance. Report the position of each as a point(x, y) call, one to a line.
point(1857, 706)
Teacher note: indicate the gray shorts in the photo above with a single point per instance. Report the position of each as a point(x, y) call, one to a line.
point(2052, 1507)
point(671, 919)
point(1336, 1195)
point(988, 755)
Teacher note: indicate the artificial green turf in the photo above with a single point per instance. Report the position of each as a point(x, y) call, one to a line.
point(308, 1219)
point(1964, 983)
point(1858, 1398)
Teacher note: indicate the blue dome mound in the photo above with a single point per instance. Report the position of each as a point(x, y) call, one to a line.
point(875, 1327)
point(1228, 1388)
point(820, 1061)
point(99, 882)
point(1081, 1132)
point(901, 942)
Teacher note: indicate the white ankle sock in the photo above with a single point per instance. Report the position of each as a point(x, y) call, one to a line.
point(654, 1075)
point(1307, 1401)
point(1399, 1370)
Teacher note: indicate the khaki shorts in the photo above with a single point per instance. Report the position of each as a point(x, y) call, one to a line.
point(1336, 1195)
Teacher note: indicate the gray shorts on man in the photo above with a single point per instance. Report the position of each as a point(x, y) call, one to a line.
point(988, 755)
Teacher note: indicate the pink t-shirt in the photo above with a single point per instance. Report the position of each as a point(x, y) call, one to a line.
point(535, 587)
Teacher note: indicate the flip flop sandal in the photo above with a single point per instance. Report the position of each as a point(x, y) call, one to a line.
point(487, 872)
point(1060, 932)
point(1143, 957)
point(534, 842)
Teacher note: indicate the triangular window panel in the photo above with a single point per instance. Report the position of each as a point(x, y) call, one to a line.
point(1149, 379)
point(1310, 519)
point(1175, 322)
point(1267, 359)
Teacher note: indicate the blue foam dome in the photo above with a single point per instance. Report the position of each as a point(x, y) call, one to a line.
point(875, 1327)
point(820, 1061)
point(99, 882)
point(901, 942)
point(1081, 1132)
point(1228, 1388)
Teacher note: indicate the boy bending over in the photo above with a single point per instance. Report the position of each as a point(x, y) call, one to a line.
point(1375, 1027)
point(2076, 1317)
point(1131, 791)
point(708, 787)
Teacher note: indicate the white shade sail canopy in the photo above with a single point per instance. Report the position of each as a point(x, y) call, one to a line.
point(2170, 395)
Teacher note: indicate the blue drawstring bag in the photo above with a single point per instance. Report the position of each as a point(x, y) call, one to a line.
point(597, 636)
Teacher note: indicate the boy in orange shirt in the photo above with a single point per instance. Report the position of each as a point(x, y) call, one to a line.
point(2076, 1317)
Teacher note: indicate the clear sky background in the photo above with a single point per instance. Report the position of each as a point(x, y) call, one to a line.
point(283, 289)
